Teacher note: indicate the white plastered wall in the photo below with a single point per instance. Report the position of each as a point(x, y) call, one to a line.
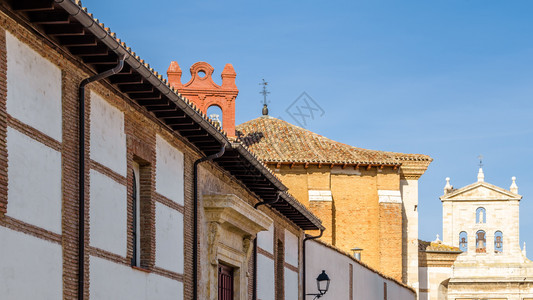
point(34, 170)
point(33, 88)
point(291, 248)
point(169, 222)
point(265, 239)
point(266, 289)
point(34, 182)
point(366, 283)
point(110, 280)
point(169, 178)
point(169, 238)
point(108, 140)
point(30, 268)
point(291, 257)
point(108, 211)
point(291, 284)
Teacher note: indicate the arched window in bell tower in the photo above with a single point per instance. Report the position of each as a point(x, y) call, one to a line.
point(214, 112)
point(498, 242)
point(463, 241)
point(481, 215)
point(481, 242)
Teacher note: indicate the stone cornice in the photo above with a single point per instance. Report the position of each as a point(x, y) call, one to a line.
point(413, 170)
point(230, 210)
point(437, 258)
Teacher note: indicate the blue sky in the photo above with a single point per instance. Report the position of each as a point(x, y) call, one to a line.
point(451, 79)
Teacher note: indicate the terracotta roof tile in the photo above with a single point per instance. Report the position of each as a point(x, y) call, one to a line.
point(275, 140)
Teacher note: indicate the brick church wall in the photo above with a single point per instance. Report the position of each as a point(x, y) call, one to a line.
point(354, 218)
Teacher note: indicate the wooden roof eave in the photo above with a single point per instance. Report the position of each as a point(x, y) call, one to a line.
point(151, 88)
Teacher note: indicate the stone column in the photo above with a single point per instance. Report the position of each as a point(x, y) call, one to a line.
point(409, 191)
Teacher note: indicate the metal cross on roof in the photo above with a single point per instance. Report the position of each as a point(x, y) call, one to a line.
point(264, 92)
point(480, 161)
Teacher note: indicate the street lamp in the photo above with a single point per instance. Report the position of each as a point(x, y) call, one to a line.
point(322, 283)
point(357, 252)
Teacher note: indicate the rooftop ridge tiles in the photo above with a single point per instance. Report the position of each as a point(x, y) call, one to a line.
point(323, 143)
point(436, 247)
point(321, 140)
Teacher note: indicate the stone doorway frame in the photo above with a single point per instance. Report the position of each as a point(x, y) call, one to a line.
point(232, 225)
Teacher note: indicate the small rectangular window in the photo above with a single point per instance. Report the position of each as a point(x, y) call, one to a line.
point(141, 220)
point(136, 212)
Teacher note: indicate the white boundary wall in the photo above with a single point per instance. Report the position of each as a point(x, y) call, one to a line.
point(367, 284)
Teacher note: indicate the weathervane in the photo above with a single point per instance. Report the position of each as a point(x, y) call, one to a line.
point(264, 92)
point(480, 161)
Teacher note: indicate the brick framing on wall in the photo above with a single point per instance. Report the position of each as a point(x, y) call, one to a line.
point(140, 146)
point(279, 269)
point(140, 129)
point(278, 255)
point(72, 74)
point(8, 121)
point(71, 191)
point(3, 124)
point(350, 276)
point(68, 148)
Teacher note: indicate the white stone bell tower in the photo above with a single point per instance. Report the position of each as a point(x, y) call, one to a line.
point(482, 220)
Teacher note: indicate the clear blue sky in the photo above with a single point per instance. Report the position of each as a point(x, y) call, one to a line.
point(451, 79)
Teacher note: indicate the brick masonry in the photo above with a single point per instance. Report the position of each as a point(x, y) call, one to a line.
point(354, 218)
point(390, 229)
point(140, 129)
point(204, 92)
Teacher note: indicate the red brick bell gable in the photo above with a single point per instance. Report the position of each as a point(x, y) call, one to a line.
point(204, 92)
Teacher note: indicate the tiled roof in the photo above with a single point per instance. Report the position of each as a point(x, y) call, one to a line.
point(67, 24)
point(436, 247)
point(275, 140)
